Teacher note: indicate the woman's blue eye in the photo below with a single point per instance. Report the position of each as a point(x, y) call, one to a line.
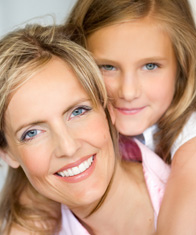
point(79, 111)
point(150, 66)
point(107, 67)
point(29, 134)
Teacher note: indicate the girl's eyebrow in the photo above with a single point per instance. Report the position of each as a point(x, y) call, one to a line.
point(110, 61)
point(44, 121)
point(103, 59)
point(100, 61)
point(154, 58)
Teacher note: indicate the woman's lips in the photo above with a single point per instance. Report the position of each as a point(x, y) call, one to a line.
point(129, 111)
point(77, 171)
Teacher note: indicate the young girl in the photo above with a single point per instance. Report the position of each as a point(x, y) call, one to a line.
point(146, 51)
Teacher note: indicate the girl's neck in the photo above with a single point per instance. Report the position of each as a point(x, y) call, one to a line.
point(126, 206)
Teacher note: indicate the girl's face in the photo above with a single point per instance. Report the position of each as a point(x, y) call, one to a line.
point(139, 68)
point(58, 138)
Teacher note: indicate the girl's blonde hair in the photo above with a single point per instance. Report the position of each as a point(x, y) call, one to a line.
point(23, 53)
point(175, 18)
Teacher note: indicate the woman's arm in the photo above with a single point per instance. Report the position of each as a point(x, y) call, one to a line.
point(178, 210)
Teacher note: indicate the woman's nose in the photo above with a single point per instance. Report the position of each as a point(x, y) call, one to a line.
point(66, 143)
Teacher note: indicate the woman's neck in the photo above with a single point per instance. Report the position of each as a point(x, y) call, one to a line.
point(126, 206)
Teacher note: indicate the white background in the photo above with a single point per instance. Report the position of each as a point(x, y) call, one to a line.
point(13, 13)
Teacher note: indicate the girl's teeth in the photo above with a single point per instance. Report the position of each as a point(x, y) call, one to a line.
point(77, 170)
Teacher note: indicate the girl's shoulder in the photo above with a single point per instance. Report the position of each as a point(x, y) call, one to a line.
point(188, 132)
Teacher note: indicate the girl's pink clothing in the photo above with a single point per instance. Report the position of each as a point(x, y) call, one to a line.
point(156, 173)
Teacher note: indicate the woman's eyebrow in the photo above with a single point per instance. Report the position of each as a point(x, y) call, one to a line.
point(37, 122)
point(28, 124)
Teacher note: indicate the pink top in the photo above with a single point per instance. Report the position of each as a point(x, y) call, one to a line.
point(156, 173)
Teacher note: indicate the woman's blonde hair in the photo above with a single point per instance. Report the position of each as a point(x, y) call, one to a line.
point(23, 53)
point(173, 16)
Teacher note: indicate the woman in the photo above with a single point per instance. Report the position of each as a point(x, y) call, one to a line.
point(59, 141)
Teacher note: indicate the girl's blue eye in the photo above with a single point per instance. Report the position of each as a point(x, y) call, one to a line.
point(150, 66)
point(80, 111)
point(107, 67)
point(29, 135)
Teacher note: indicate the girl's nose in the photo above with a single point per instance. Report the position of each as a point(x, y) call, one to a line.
point(130, 87)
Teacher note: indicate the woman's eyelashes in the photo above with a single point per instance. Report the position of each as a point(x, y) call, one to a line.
point(80, 111)
point(30, 134)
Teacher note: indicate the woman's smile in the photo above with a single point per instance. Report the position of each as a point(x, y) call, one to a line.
point(79, 170)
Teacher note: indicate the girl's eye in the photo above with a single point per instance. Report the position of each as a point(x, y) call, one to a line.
point(30, 134)
point(150, 66)
point(80, 111)
point(106, 67)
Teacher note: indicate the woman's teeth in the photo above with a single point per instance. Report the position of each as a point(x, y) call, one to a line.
point(77, 169)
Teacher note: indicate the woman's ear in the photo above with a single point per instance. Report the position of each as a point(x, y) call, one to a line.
point(8, 158)
point(112, 113)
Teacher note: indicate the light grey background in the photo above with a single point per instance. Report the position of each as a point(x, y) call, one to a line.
point(14, 13)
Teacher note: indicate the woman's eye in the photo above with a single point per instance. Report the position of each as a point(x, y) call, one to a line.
point(30, 134)
point(106, 67)
point(80, 111)
point(150, 66)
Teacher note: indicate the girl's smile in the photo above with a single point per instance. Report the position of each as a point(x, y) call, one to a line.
point(129, 111)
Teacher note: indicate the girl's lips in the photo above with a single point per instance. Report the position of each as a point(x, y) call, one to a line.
point(74, 173)
point(132, 111)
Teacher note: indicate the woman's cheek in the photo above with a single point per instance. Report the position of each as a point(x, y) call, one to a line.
point(97, 130)
point(34, 160)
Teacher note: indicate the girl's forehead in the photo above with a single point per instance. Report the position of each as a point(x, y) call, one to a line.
point(147, 20)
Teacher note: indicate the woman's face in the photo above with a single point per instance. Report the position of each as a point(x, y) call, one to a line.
point(62, 143)
point(139, 67)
